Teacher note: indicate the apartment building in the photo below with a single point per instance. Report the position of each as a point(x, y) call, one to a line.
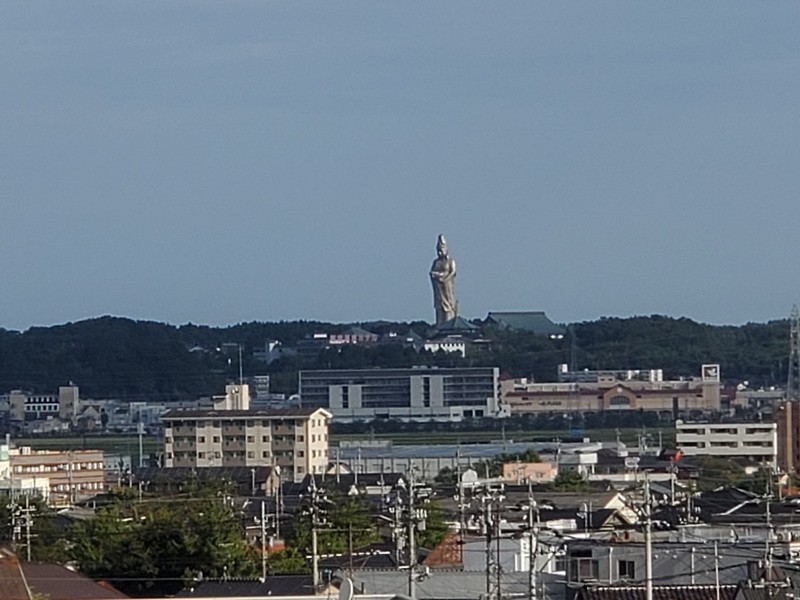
point(608, 391)
point(754, 441)
point(294, 439)
point(68, 475)
point(408, 394)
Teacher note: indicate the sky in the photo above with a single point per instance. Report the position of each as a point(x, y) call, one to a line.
point(231, 161)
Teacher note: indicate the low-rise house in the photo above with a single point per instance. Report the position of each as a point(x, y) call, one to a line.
point(533, 472)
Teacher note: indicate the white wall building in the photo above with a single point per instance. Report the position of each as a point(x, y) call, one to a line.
point(448, 344)
point(757, 441)
point(446, 394)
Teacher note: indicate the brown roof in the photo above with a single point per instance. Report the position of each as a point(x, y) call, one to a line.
point(449, 552)
point(60, 583)
point(12, 582)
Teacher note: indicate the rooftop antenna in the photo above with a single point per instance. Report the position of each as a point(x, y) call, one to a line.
point(241, 379)
point(573, 349)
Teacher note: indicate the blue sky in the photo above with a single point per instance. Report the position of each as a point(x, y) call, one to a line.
point(219, 162)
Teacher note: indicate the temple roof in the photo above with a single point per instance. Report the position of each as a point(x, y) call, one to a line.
point(532, 321)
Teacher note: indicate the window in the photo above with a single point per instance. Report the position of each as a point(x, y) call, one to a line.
point(582, 566)
point(265, 454)
point(300, 453)
point(265, 438)
point(201, 455)
point(216, 439)
point(251, 438)
point(251, 454)
point(626, 569)
point(201, 439)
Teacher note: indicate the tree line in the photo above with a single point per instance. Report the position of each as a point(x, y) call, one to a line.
point(112, 357)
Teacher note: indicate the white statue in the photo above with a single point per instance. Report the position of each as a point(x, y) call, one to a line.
point(443, 279)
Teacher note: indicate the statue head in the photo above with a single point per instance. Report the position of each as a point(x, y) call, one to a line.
point(441, 245)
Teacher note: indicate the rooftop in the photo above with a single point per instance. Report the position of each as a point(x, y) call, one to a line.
point(530, 321)
point(266, 413)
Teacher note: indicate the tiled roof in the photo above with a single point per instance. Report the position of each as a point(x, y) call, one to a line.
point(531, 321)
point(671, 592)
point(181, 474)
point(12, 583)
point(279, 585)
point(57, 582)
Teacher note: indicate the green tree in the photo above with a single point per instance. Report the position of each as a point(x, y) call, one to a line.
point(719, 472)
point(346, 523)
point(287, 562)
point(435, 527)
point(570, 481)
point(156, 546)
point(48, 540)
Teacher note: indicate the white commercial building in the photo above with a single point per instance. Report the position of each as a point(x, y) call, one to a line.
point(447, 394)
point(758, 441)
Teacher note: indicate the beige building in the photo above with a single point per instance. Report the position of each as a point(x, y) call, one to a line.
point(294, 439)
point(25, 406)
point(753, 441)
point(672, 399)
point(70, 475)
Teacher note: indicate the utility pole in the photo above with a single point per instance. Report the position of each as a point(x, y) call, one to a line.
point(28, 520)
point(491, 505)
point(315, 522)
point(277, 490)
point(533, 518)
point(412, 545)
point(69, 479)
point(487, 524)
point(263, 540)
point(716, 570)
point(140, 431)
point(648, 541)
point(793, 377)
point(767, 549)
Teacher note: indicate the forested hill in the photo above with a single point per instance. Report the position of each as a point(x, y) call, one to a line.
point(137, 360)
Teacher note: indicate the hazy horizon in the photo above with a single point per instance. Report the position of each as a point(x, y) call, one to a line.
point(225, 162)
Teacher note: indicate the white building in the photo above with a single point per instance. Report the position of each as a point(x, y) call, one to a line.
point(758, 441)
point(448, 344)
point(447, 394)
point(237, 397)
